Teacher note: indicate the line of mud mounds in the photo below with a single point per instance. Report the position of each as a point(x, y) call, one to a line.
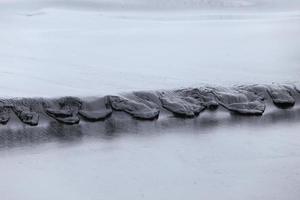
point(35, 120)
point(245, 100)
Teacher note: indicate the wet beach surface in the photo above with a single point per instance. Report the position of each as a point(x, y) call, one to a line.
point(239, 159)
point(171, 145)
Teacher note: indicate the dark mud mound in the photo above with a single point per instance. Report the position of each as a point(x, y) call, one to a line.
point(93, 111)
point(240, 101)
point(4, 113)
point(181, 106)
point(282, 97)
point(94, 116)
point(202, 96)
point(26, 115)
point(138, 109)
point(64, 110)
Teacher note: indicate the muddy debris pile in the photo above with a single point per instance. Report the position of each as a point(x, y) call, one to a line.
point(247, 100)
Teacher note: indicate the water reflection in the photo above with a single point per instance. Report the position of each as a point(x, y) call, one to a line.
point(116, 126)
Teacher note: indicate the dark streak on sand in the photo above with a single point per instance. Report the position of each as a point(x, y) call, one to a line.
point(250, 100)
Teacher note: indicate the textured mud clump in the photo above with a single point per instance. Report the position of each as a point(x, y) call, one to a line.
point(26, 115)
point(281, 97)
point(4, 113)
point(241, 102)
point(93, 114)
point(67, 110)
point(149, 98)
point(136, 109)
point(202, 96)
point(250, 108)
point(181, 106)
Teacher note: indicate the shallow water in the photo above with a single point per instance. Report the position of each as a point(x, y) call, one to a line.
point(239, 161)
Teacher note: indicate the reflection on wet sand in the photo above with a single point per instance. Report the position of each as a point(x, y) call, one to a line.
point(117, 126)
